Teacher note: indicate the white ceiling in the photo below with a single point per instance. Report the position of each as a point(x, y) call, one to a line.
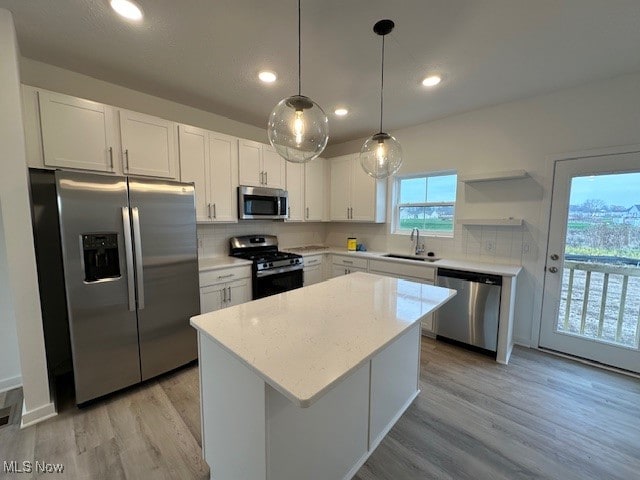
point(207, 53)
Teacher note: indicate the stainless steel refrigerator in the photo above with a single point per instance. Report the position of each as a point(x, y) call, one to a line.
point(130, 273)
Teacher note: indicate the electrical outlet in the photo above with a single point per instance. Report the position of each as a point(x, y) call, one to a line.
point(525, 248)
point(489, 246)
point(200, 243)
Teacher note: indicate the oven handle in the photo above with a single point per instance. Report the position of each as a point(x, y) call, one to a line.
point(275, 271)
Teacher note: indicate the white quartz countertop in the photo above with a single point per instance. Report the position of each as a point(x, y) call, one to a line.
point(215, 263)
point(303, 342)
point(467, 265)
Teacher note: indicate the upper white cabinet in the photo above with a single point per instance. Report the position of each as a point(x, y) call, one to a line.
point(210, 161)
point(260, 165)
point(76, 133)
point(355, 196)
point(295, 188)
point(148, 145)
point(314, 190)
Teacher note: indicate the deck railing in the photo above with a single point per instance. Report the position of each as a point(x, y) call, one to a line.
point(626, 272)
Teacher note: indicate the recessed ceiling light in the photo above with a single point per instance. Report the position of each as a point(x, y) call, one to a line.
point(267, 76)
point(341, 112)
point(431, 80)
point(127, 9)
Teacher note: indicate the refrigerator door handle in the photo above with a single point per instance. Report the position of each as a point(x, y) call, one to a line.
point(128, 250)
point(137, 241)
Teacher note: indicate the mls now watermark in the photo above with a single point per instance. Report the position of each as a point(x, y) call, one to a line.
point(32, 467)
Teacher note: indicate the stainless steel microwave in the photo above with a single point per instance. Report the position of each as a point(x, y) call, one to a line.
point(256, 203)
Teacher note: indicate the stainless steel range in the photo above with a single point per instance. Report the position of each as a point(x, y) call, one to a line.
point(273, 271)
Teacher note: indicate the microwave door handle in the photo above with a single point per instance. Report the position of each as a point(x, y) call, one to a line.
point(137, 241)
point(128, 251)
point(278, 213)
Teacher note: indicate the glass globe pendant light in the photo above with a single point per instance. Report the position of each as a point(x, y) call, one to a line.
point(298, 128)
point(381, 154)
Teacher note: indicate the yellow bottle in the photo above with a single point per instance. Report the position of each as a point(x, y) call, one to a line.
point(351, 244)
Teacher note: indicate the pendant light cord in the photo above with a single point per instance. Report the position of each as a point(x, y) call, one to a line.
point(382, 85)
point(299, 51)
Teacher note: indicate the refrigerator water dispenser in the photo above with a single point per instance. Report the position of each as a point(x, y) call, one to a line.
point(100, 254)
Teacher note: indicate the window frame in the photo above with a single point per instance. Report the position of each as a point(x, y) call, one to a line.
point(395, 224)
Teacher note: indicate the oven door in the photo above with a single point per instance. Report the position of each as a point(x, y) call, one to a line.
point(266, 284)
point(262, 203)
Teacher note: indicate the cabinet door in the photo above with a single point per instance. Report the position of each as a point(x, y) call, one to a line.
point(148, 145)
point(295, 187)
point(312, 274)
point(314, 194)
point(363, 193)
point(273, 167)
point(340, 188)
point(223, 177)
point(211, 298)
point(338, 270)
point(250, 163)
point(194, 167)
point(76, 133)
point(238, 292)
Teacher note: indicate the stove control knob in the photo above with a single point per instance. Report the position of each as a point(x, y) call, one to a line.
point(297, 260)
point(265, 265)
point(271, 264)
point(292, 261)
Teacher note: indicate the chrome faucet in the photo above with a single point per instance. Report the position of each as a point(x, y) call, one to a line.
point(419, 248)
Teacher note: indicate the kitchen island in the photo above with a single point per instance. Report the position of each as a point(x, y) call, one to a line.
point(305, 384)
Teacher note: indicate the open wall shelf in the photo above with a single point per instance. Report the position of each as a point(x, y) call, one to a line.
point(495, 222)
point(494, 176)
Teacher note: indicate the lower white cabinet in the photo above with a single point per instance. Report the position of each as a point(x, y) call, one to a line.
point(224, 288)
point(346, 264)
point(313, 270)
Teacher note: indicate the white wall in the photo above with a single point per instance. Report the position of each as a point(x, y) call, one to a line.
point(10, 376)
point(19, 279)
point(517, 135)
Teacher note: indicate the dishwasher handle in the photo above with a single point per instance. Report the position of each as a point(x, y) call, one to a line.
point(471, 276)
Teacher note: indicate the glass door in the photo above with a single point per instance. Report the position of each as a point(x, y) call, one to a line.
point(591, 303)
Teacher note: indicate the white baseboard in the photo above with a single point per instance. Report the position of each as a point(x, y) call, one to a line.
point(37, 415)
point(7, 384)
point(523, 342)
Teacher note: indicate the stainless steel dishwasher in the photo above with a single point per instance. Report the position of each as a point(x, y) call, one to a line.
point(471, 316)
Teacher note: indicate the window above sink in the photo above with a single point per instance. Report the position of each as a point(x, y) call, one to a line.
point(425, 201)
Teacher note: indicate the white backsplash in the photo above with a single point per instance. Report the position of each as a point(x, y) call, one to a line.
point(213, 240)
point(503, 245)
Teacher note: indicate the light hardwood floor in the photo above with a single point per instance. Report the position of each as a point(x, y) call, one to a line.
point(540, 417)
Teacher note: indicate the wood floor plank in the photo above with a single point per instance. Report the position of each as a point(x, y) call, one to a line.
point(540, 417)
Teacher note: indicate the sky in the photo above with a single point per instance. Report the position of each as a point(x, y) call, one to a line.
point(440, 188)
point(617, 189)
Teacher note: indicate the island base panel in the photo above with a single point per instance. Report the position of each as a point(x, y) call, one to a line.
point(252, 431)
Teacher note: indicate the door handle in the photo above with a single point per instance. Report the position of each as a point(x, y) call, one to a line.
point(261, 178)
point(553, 270)
point(111, 158)
point(307, 212)
point(266, 178)
point(128, 252)
point(215, 215)
point(209, 210)
point(289, 212)
point(126, 159)
point(226, 276)
point(137, 242)
point(224, 295)
point(229, 293)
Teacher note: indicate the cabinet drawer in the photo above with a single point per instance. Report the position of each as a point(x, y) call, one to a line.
point(350, 261)
point(313, 260)
point(403, 270)
point(224, 275)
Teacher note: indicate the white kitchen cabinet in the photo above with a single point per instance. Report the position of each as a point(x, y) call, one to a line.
point(224, 287)
point(260, 165)
point(346, 264)
point(76, 133)
point(313, 269)
point(355, 196)
point(210, 161)
point(295, 189)
point(148, 145)
point(414, 273)
point(314, 190)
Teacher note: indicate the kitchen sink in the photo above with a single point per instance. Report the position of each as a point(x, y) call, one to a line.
point(411, 257)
